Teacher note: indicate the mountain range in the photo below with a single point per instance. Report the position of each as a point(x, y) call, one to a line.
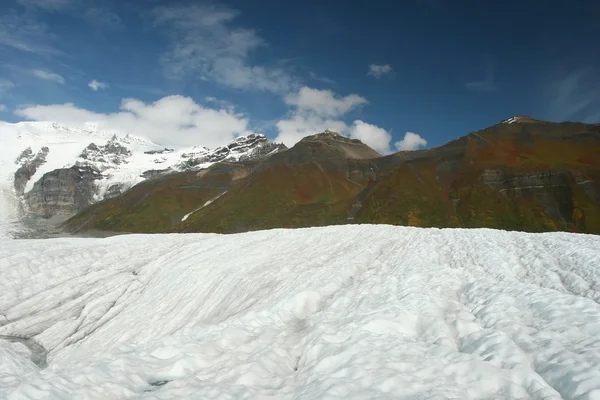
point(54, 171)
point(520, 174)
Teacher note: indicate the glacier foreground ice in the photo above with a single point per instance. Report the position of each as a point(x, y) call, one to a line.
point(349, 312)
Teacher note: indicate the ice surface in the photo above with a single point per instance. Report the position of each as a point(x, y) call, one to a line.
point(349, 312)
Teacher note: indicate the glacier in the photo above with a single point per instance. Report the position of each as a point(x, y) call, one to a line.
point(119, 159)
point(353, 312)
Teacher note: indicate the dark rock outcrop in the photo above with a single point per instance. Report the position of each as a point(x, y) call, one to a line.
point(246, 148)
point(112, 152)
point(153, 173)
point(63, 191)
point(551, 188)
point(29, 166)
point(24, 156)
point(113, 191)
point(163, 151)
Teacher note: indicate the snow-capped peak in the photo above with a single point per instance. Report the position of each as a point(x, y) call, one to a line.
point(519, 120)
point(120, 160)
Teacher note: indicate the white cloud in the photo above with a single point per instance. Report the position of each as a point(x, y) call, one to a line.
point(96, 85)
point(293, 129)
point(317, 110)
point(47, 75)
point(204, 45)
point(323, 102)
point(373, 136)
point(379, 70)
point(411, 141)
point(3, 107)
point(172, 120)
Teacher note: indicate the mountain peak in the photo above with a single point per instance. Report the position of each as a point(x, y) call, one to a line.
point(328, 135)
point(520, 119)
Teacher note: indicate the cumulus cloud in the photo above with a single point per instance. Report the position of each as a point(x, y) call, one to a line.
point(172, 120)
point(297, 126)
point(323, 102)
point(411, 141)
point(47, 75)
point(96, 85)
point(373, 136)
point(379, 71)
point(205, 45)
point(316, 110)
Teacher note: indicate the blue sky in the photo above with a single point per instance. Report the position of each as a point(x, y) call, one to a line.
point(203, 72)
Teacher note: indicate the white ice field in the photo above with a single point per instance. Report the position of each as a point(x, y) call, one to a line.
point(352, 312)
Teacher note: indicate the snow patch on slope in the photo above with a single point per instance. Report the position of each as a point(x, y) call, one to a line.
point(336, 312)
point(519, 119)
point(186, 216)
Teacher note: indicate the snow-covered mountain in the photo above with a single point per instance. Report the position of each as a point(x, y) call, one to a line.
point(58, 169)
point(352, 312)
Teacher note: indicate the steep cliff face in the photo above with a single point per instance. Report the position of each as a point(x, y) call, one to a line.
point(29, 166)
point(112, 152)
point(246, 148)
point(63, 192)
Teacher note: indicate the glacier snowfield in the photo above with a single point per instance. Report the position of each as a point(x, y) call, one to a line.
point(353, 312)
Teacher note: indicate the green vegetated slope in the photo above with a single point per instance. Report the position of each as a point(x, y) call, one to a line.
point(278, 197)
point(531, 176)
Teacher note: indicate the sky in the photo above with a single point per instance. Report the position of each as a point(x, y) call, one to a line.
point(397, 75)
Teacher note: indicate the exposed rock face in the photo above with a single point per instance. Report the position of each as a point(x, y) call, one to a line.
point(504, 181)
point(28, 168)
point(245, 148)
point(24, 156)
point(163, 151)
point(590, 187)
point(112, 152)
point(551, 188)
point(153, 173)
point(63, 191)
point(113, 191)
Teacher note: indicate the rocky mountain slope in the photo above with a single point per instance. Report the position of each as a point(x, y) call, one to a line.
point(520, 174)
point(56, 171)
